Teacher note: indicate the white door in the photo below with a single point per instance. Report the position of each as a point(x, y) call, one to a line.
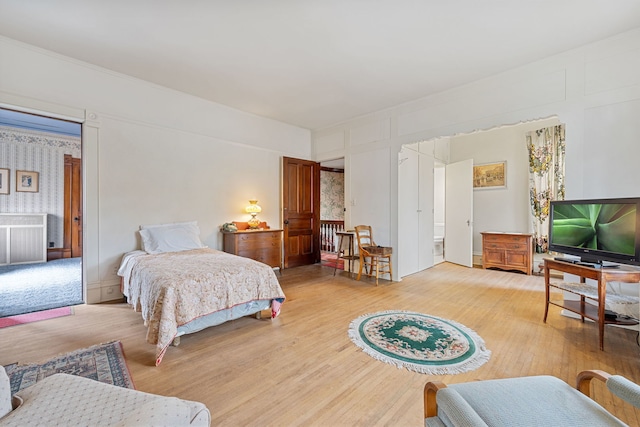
point(408, 188)
point(459, 213)
point(415, 211)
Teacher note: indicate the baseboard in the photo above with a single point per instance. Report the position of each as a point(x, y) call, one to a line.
point(58, 253)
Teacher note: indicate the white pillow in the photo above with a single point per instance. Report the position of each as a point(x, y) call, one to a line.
point(172, 224)
point(170, 237)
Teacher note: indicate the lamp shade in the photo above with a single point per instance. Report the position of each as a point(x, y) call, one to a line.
point(253, 207)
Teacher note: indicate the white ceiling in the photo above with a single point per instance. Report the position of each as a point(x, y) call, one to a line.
point(313, 63)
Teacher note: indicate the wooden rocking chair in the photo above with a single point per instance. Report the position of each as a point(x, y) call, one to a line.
point(376, 260)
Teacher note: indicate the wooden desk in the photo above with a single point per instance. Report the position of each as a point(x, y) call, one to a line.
point(626, 274)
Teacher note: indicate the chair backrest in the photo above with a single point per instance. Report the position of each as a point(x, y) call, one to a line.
point(364, 236)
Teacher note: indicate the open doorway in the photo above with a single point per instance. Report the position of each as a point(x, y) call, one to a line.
point(41, 213)
point(332, 210)
point(504, 208)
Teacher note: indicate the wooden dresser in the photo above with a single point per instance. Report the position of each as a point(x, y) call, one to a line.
point(507, 251)
point(262, 245)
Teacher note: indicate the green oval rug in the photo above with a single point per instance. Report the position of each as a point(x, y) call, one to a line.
point(419, 342)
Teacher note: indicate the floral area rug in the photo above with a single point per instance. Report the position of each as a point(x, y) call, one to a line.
point(419, 342)
point(102, 362)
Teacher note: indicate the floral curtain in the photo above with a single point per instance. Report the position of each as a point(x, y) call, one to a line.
point(546, 178)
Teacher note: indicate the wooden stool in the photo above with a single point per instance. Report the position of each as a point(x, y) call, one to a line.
point(345, 253)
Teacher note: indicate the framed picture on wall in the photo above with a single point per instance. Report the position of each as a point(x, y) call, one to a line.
point(4, 181)
point(27, 181)
point(490, 175)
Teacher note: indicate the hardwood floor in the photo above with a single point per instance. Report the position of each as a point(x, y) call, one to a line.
point(302, 369)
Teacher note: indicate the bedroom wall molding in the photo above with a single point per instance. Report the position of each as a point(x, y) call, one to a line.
point(197, 134)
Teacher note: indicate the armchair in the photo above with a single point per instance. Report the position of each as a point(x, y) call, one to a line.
point(526, 401)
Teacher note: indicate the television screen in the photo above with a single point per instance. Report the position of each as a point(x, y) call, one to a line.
point(596, 230)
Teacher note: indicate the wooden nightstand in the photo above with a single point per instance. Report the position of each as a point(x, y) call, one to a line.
point(261, 245)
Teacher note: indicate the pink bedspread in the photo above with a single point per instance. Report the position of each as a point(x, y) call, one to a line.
point(174, 288)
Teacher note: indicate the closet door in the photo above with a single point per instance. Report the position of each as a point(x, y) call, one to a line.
point(408, 206)
point(415, 211)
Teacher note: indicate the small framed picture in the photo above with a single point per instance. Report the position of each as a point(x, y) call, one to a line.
point(4, 181)
point(27, 181)
point(490, 176)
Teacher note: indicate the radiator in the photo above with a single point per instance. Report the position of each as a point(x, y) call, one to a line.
point(23, 238)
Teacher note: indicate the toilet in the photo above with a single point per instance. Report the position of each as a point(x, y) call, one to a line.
point(438, 243)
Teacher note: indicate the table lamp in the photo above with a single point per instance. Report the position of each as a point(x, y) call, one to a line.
point(253, 209)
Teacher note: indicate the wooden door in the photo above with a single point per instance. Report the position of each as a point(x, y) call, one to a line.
point(301, 211)
point(72, 207)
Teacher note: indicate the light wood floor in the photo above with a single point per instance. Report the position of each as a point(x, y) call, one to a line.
point(302, 369)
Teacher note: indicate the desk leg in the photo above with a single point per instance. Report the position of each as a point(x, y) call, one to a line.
point(351, 251)
point(602, 294)
point(339, 251)
point(546, 291)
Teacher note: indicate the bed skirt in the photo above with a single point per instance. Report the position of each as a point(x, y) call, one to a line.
point(219, 317)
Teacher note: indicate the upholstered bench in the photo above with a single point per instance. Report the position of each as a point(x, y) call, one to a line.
point(527, 401)
point(67, 400)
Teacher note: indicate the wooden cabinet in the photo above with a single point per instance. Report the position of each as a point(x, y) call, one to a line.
point(507, 251)
point(262, 245)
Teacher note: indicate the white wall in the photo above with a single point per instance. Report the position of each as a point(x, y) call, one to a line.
point(151, 155)
point(593, 90)
point(368, 203)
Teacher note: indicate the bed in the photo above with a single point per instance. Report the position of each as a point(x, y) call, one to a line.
point(185, 287)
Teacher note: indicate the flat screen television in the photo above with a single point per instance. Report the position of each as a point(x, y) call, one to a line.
point(596, 230)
